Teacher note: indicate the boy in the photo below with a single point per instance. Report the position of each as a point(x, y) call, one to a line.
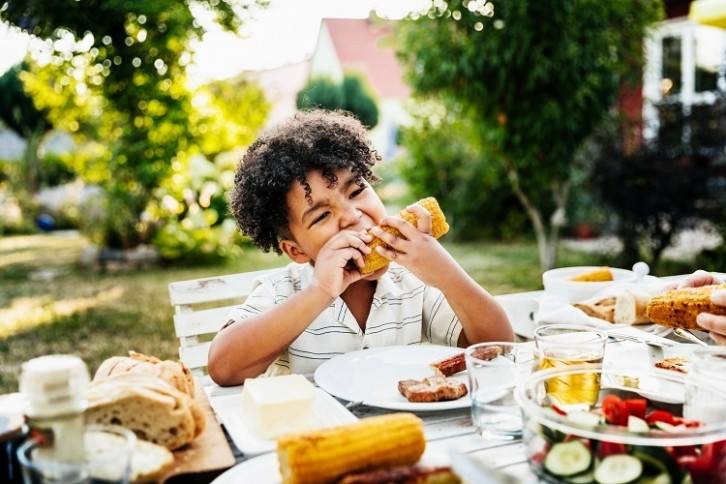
point(304, 189)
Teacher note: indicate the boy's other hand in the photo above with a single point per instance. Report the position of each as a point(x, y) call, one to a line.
point(417, 250)
point(332, 273)
point(713, 323)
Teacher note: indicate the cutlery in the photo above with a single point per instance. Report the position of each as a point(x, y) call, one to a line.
point(648, 341)
point(687, 335)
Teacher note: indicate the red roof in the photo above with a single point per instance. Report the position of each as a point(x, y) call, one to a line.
point(358, 45)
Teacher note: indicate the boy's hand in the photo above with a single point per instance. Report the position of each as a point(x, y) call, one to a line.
point(710, 322)
point(332, 273)
point(417, 250)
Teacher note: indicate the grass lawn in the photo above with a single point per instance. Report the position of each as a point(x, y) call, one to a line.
point(99, 315)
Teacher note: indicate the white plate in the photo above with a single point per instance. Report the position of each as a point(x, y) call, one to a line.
point(371, 376)
point(266, 469)
point(327, 412)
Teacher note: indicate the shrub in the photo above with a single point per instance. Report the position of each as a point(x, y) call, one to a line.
point(351, 95)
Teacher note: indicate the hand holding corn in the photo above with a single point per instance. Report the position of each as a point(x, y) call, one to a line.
point(375, 260)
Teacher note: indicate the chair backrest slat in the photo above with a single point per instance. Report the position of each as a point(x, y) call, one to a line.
point(190, 323)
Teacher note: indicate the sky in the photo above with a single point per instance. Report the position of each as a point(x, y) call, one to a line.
point(284, 32)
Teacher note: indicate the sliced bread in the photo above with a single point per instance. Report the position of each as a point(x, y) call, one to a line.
point(149, 406)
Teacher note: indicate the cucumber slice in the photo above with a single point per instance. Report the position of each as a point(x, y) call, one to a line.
point(568, 458)
point(586, 478)
point(618, 469)
point(637, 425)
point(651, 465)
point(583, 419)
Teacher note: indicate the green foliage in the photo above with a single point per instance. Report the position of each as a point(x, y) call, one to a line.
point(17, 110)
point(357, 100)
point(127, 90)
point(351, 95)
point(469, 185)
point(536, 77)
point(320, 92)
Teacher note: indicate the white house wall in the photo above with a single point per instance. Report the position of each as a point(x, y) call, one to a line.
point(325, 60)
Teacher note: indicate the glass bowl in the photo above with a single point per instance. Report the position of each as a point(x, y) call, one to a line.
point(578, 446)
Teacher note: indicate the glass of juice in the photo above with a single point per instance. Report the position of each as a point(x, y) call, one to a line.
point(562, 345)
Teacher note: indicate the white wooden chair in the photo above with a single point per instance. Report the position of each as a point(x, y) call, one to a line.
point(200, 310)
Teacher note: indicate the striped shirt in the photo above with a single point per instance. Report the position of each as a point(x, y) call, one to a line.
point(404, 311)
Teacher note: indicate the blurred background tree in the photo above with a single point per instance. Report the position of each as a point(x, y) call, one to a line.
point(470, 186)
point(350, 95)
point(18, 113)
point(128, 63)
point(534, 91)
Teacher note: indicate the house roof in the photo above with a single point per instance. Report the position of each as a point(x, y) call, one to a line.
point(357, 43)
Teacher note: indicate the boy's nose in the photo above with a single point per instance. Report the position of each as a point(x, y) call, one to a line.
point(351, 218)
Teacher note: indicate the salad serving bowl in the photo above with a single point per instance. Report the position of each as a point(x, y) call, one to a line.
point(625, 437)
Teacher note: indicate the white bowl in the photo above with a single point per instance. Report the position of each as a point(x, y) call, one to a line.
point(557, 282)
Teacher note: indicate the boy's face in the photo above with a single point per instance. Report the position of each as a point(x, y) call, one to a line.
point(345, 206)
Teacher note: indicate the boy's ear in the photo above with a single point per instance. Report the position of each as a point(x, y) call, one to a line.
point(294, 251)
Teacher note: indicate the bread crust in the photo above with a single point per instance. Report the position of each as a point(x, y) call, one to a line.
point(174, 373)
point(679, 308)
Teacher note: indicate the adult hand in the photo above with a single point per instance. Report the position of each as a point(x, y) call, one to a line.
point(416, 249)
point(714, 323)
point(332, 273)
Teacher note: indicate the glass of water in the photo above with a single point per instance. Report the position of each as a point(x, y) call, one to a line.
point(494, 370)
point(706, 386)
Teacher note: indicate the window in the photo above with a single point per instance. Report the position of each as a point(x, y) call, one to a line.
point(685, 72)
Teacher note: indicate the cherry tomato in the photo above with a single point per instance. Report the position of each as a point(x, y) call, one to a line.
point(615, 410)
point(660, 416)
point(605, 449)
point(637, 406)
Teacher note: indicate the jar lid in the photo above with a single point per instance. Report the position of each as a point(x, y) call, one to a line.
point(54, 385)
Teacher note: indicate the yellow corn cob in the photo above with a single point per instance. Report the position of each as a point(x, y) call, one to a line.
point(597, 275)
point(325, 455)
point(439, 227)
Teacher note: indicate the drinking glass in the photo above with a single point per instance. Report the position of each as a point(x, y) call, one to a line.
point(494, 370)
point(108, 450)
point(706, 386)
point(562, 345)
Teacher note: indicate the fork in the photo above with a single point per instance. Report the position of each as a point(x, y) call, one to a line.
point(687, 335)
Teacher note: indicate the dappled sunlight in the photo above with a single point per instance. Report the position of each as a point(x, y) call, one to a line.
point(27, 313)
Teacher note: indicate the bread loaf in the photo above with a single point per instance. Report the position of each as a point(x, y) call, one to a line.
point(630, 308)
point(149, 406)
point(174, 373)
point(602, 309)
point(679, 308)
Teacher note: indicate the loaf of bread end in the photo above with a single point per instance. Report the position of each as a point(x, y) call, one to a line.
point(679, 308)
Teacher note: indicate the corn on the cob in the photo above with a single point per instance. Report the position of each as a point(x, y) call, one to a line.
point(439, 227)
point(326, 455)
point(597, 275)
point(679, 308)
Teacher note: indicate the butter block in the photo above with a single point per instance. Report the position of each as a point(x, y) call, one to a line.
point(278, 405)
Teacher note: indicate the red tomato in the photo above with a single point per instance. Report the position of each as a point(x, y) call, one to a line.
point(558, 410)
point(615, 410)
point(686, 422)
point(605, 449)
point(660, 416)
point(681, 450)
point(637, 406)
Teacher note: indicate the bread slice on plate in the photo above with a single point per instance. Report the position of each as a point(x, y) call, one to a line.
point(149, 406)
point(602, 309)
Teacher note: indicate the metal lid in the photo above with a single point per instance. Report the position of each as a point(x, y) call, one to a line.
point(54, 385)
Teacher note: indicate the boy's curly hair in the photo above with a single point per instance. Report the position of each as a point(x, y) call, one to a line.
point(314, 140)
